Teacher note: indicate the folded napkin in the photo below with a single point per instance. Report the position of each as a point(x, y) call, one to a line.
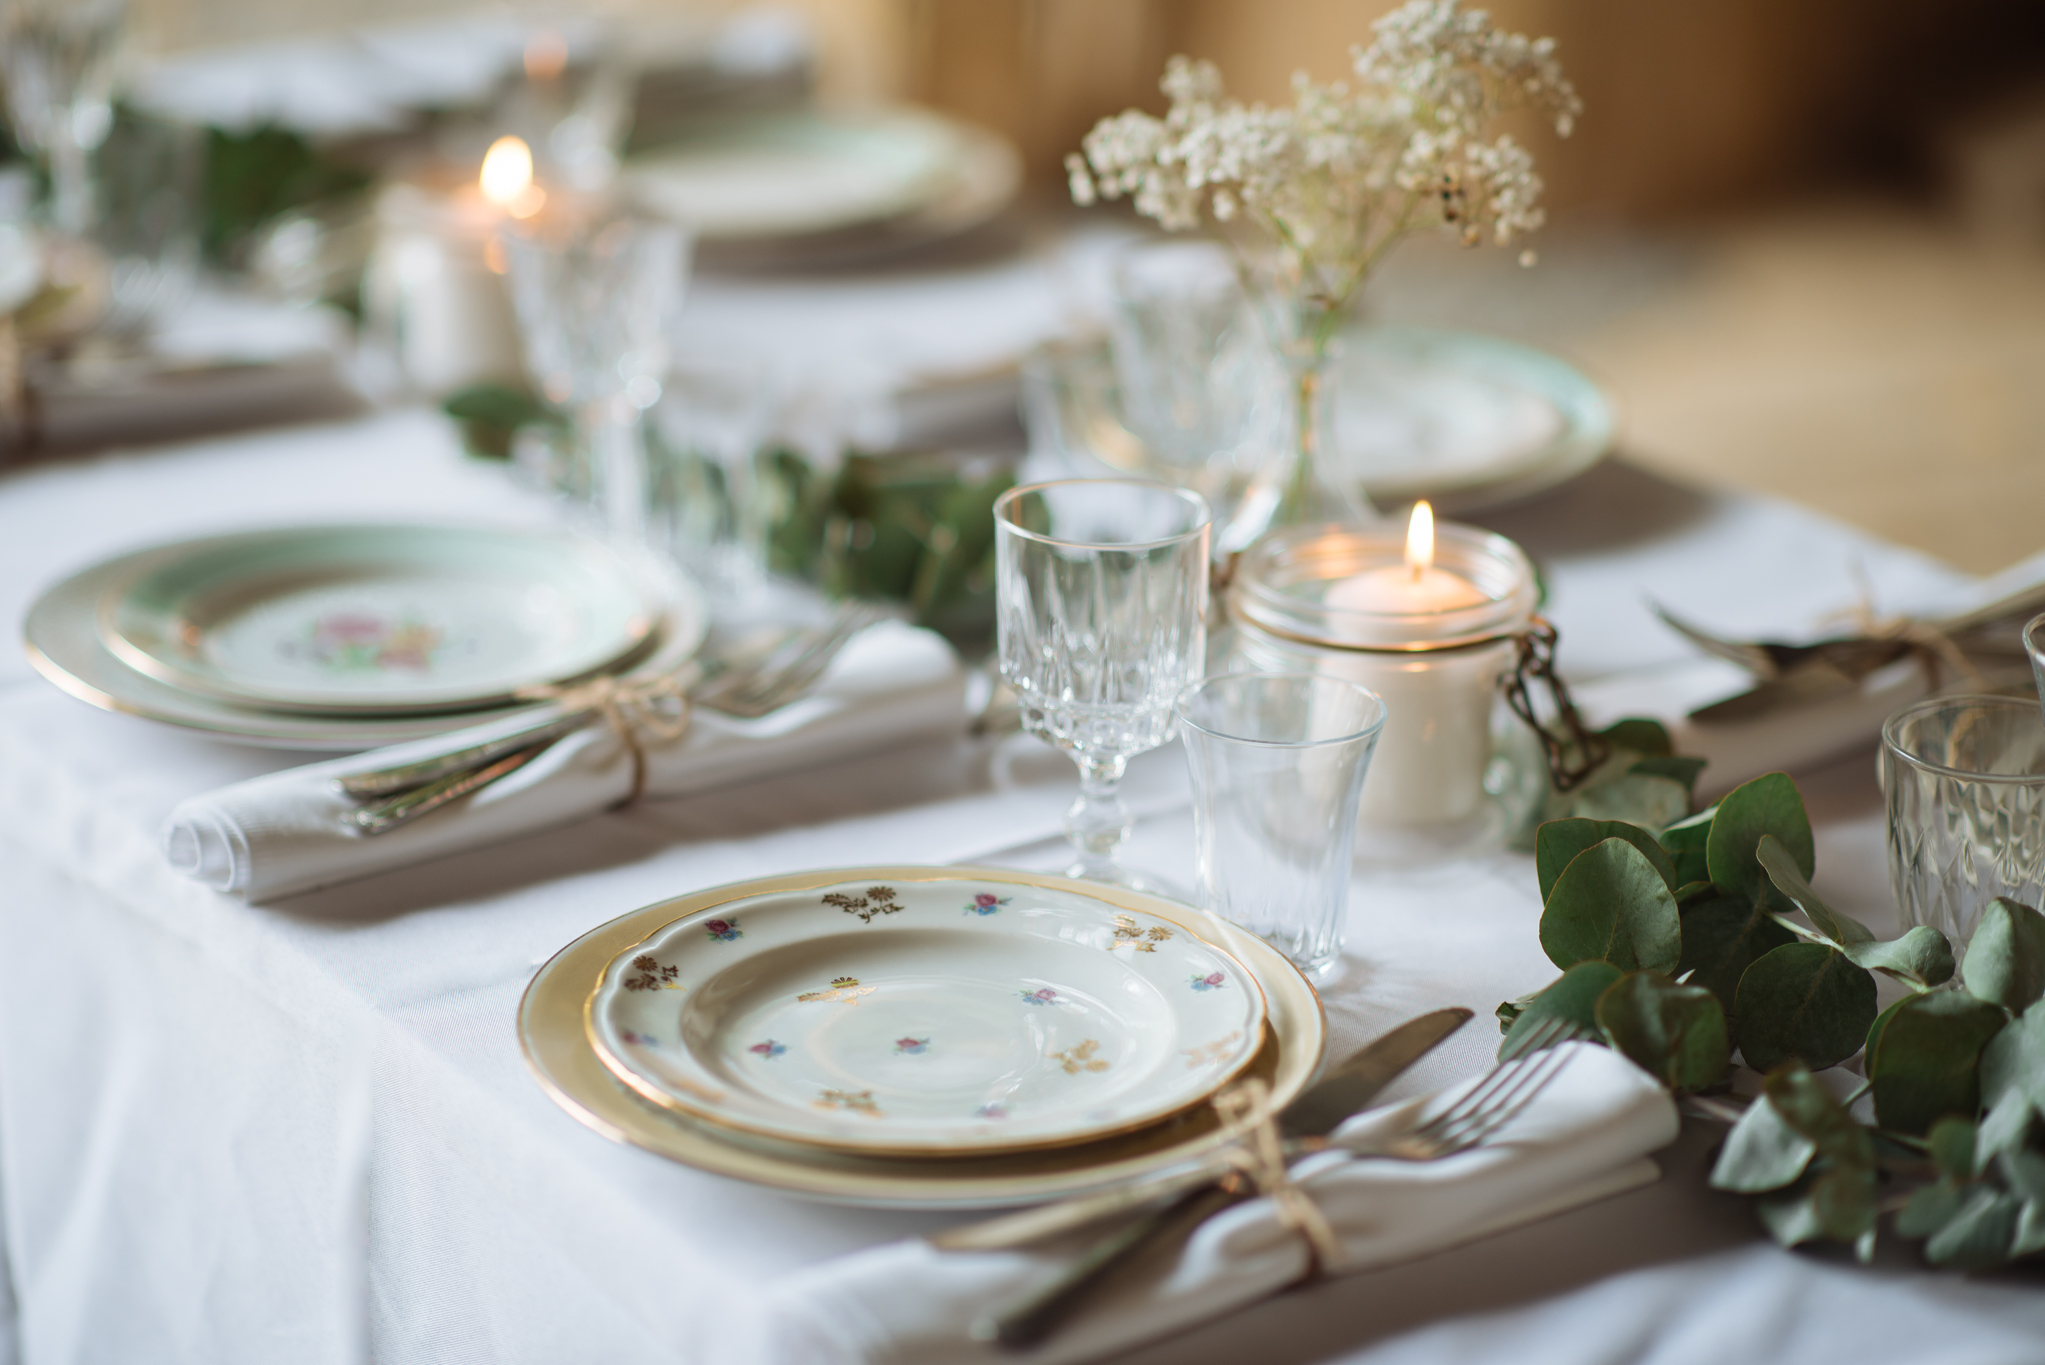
point(1585, 1137)
point(289, 831)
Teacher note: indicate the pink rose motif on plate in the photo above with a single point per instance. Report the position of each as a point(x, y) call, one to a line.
point(914, 1047)
point(1213, 981)
point(987, 903)
point(769, 1049)
point(723, 930)
point(1043, 995)
point(359, 641)
point(991, 1110)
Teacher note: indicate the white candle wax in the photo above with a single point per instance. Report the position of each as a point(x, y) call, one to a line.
point(1430, 760)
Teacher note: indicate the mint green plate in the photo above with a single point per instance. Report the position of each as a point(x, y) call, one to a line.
point(361, 620)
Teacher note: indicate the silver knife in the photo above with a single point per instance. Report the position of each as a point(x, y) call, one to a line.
point(1316, 1112)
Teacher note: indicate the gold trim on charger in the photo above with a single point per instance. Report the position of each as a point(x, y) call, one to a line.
point(552, 1035)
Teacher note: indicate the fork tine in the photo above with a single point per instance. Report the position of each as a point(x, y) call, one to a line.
point(1530, 1081)
point(1543, 1033)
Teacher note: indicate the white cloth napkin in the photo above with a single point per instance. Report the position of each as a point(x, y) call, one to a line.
point(288, 832)
point(1584, 1138)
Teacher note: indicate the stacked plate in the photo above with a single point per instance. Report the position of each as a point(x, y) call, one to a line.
point(350, 637)
point(813, 187)
point(917, 1036)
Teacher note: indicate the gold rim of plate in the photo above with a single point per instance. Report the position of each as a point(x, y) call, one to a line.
point(678, 1104)
point(557, 1048)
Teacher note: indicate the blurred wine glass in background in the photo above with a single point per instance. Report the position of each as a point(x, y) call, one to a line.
point(57, 58)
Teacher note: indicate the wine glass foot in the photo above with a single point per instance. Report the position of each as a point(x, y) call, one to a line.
point(1114, 874)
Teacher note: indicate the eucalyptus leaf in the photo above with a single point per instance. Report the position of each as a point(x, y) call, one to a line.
point(1803, 1001)
point(1721, 939)
point(1761, 1153)
point(1951, 1141)
point(1507, 1012)
point(2024, 1173)
point(1930, 1208)
point(1979, 1233)
point(2006, 959)
point(1690, 892)
point(1685, 842)
point(1921, 956)
point(1676, 769)
point(1927, 1063)
point(1874, 1032)
point(1808, 1107)
point(2015, 1060)
point(2006, 1124)
point(1642, 736)
point(1791, 1219)
point(1843, 1198)
point(1573, 997)
point(1674, 1033)
point(1612, 903)
point(1558, 842)
point(2030, 1234)
point(1785, 875)
point(1770, 805)
point(1635, 797)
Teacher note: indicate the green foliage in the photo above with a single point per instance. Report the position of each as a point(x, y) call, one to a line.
point(1572, 997)
point(1675, 1033)
point(253, 177)
point(1926, 1063)
point(2006, 959)
point(1559, 841)
point(1762, 965)
point(1721, 939)
point(1769, 805)
point(1642, 782)
point(1612, 903)
point(490, 415)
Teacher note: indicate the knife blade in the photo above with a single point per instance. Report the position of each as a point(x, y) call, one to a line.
point(1315, 1112)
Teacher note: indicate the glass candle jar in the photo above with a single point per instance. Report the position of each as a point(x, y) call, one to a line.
point(1430, 634)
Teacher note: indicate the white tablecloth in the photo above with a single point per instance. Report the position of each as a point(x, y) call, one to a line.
point(208, 1111)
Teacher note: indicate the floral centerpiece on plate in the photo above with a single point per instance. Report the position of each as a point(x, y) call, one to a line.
point(1311, 197)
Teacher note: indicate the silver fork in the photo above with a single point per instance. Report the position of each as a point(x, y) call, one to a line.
point(399, 795)
point(1496, 1100)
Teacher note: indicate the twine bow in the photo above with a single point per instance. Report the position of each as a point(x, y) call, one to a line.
point(1260, 1158)
point(633, 710)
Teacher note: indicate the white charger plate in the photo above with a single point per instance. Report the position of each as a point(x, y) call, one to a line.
point(357, 620)
point(63, 642)
point(947, 1014)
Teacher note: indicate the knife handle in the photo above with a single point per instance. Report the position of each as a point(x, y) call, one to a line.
point(1028, 1320)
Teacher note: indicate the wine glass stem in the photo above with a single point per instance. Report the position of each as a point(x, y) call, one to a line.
point(1098, 821)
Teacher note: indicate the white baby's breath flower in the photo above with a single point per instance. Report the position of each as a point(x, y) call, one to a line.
point(1348, 169)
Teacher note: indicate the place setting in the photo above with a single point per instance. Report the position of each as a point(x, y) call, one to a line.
point(708, 868)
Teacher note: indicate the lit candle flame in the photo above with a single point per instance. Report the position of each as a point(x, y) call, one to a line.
point(1420, 539)
point(507, 178)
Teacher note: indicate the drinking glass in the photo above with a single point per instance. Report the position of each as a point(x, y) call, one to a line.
point(57, 59)
point(709, 503)
point(1278, 762)
point(2034, 645)
point(1101, 588)
point(1192, 371)
point(1965, 781)
point(594, 300)
point(147, 175)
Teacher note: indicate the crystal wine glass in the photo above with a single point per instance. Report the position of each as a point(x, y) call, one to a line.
point(594, 301)
point(1102, 604)
point(58, 60)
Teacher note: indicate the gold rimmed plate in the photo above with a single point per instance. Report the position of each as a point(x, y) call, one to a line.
point(552, 1031)
point(937, 1014)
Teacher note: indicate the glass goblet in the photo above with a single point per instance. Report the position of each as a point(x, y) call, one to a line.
point(1101, 588)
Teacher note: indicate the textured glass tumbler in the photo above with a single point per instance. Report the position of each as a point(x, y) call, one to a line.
point(1101, 602)
point(1965, 778)
point(1278, 761)
point(2034, 645)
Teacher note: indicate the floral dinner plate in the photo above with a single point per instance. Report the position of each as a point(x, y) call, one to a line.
point(946, 1014)
point(379, 619)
